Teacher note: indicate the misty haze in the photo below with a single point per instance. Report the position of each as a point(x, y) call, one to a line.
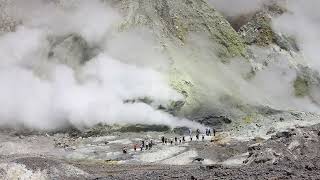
point(159, 89)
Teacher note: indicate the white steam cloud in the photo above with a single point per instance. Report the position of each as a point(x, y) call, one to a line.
point(302, 22)
point(38, 93)
point(273, 86)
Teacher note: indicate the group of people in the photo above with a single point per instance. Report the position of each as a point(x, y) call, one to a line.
point(179, 140)
point(144, 145)
point(165, 140)
point(208, 132)
point(148, 144)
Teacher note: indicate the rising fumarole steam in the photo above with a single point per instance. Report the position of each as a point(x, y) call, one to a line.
point(38, 91)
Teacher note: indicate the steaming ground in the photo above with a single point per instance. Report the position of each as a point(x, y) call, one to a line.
point(64, 156)
point(61, 151)
point(41, 93)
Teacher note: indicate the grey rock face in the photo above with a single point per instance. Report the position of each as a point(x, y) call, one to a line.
point(259, 31)
point(71, 50)
point(173, 23)
point(216, 121)
point(7, 23)
point(307, 83)
point(176, 19)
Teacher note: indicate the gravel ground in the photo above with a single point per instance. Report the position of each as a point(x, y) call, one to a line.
point(290, 154)
point(281, 171)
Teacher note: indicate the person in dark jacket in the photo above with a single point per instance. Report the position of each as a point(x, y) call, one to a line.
point(150, 144)
point(162, 139)
point(124, 150)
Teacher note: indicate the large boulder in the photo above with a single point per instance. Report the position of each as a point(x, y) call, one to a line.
point(71, 50)
point(307, 83)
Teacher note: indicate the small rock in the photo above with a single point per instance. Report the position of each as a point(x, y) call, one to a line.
point(262, 160)
point(271, 131)
point(289, 172)
point(276, 154)
point(193, 178)
point(293, 145)
point(199, 159)
point(310, 167)
point(213, 166)
point(258, 139)
point(254, 147)
point(274, 137)
point(284, 134)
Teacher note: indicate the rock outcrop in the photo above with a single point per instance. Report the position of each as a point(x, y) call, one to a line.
point(259, 30)
point(175, 20)
point(174, 24)
point(307, 83)
point(7, 23)
point(292, 145)
point(71, 50)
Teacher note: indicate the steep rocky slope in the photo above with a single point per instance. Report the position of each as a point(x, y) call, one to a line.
point(210, 64)
point(174, 24)
point(259, 31)
point(190, 33)
point(240, 77)
point(176, 20)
